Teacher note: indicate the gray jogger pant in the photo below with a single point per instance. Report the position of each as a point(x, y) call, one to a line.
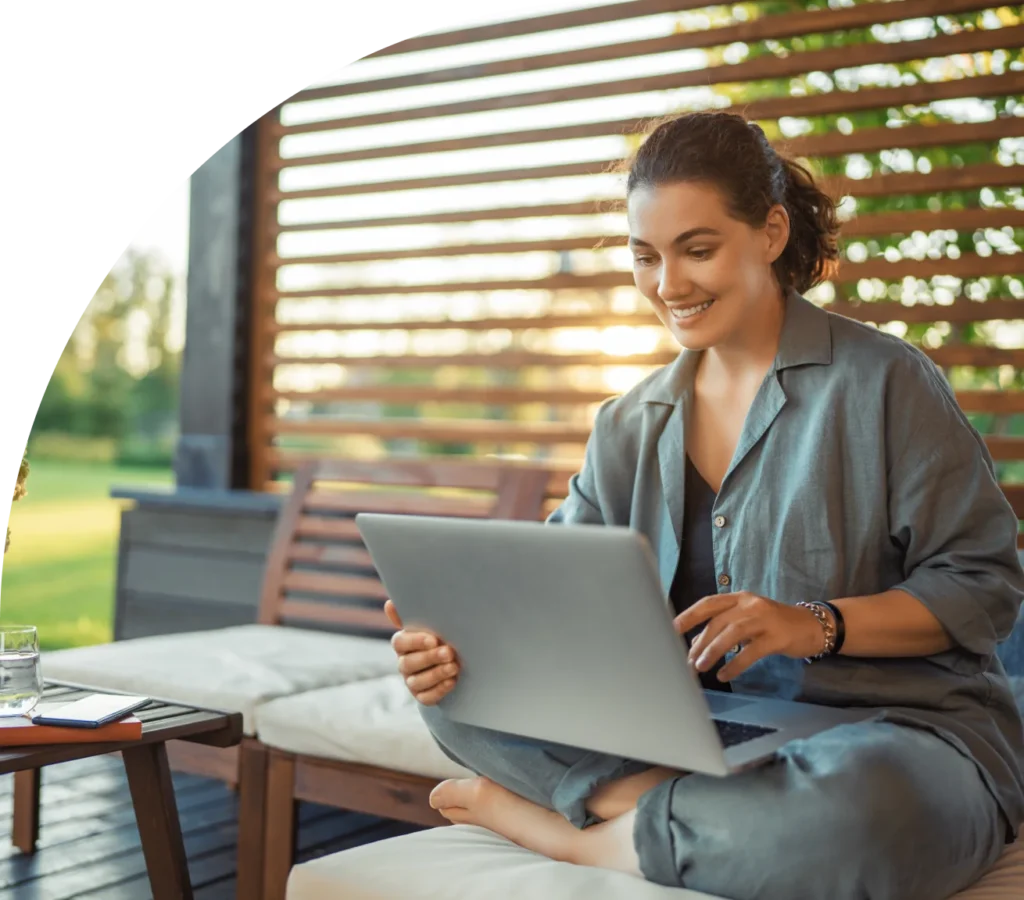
point(871, 811)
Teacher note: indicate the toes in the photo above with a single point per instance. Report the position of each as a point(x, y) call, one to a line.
point(457, 815)
point(454, 792)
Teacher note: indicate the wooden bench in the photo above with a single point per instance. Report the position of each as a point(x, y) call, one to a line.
point(318, 573)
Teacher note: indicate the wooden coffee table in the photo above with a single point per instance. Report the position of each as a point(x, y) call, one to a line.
point(149, 779)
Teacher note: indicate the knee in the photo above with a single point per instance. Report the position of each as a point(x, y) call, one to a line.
point(867, 818)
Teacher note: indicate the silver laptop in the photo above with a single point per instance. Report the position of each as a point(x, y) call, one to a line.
point(565, 635)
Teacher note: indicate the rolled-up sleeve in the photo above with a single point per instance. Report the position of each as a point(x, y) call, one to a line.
point(948, 514)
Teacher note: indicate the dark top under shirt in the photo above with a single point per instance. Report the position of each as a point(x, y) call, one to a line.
point(695, 574)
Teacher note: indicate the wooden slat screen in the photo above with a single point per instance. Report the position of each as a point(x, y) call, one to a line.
point(441, 268)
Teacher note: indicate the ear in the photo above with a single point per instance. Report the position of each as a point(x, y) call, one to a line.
point(776, 229)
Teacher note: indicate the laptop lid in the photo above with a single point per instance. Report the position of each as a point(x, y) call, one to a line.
point(563, 633)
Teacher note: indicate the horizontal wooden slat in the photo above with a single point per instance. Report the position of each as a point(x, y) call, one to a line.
point(998, 402)
point(583, 208)
point(334, 585)
point(552, 246)
point(290, 461)
point(969, 355)
point(355, 616)
point(477, 430)
point(963, 355)
point(872, 140)
point(945, 179)
point(508, 323)
point(562, 170)
point(1003, 402)
point(423, 472)
point(928, 221)
point(962, 311)
point(967, 266)
point(1015, 494)
point(328, 555)
point(760, 29)
point(980, 86)
point(328, 529)
point(576, 18)
point(551, 283)
point(1005, 447)
point(400, 502)
point(402, 394)
point(753, 70)
point(490, 431)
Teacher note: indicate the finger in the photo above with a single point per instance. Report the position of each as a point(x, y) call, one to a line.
point(733, 634)
point(711, 631)
point(457, 815)
point(411, 663)
point(436, 694)
point(756, 650)
point(392, 614)
point(406, 641)
point(424, 681)
point(704, 609)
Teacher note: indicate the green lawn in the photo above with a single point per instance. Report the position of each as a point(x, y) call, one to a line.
point(60, 570)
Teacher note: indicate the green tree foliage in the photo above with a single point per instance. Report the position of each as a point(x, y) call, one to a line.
point(117, 378)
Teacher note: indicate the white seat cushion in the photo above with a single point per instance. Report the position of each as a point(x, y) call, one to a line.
point(374, 722)
point(232, 669)
point(467, 863)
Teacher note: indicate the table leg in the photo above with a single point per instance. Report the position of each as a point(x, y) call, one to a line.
point(25, 831)
point(149, 779)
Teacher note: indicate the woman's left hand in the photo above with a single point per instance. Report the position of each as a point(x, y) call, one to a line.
point(761, 627)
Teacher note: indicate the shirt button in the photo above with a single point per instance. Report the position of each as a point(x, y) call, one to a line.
point(723, 580)
point(720, 521)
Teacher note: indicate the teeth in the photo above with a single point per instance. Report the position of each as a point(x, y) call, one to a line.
point(692, 310)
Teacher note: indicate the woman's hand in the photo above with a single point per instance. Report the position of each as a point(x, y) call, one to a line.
point(429, 665)
point(761, 627)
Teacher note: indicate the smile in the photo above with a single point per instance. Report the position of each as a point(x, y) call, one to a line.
point(681, 314)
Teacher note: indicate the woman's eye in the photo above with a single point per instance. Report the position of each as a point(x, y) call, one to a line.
point(643, 260)
point(701, 253)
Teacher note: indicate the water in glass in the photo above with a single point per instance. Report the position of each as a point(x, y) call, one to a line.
point(21, 681)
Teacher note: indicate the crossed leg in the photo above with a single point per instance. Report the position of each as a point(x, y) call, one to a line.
point(607, 844)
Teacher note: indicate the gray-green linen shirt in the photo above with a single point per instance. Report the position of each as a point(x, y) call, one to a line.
point(856, 472)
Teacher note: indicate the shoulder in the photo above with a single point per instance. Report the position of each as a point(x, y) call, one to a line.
point(870, 357)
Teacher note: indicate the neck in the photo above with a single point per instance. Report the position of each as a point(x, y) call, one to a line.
point(749, 352)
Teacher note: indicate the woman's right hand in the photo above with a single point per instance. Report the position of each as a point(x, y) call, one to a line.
point(429, 665)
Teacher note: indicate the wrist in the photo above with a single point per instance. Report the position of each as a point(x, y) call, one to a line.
point(823, 629)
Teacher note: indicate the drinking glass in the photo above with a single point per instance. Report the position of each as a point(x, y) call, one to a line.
point(21, 681)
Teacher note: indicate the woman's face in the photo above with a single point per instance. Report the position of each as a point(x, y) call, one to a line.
point(706, 274)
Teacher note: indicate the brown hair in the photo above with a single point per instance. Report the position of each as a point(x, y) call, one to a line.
point(727, 151)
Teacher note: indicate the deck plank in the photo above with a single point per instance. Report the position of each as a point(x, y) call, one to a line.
point(89, 843)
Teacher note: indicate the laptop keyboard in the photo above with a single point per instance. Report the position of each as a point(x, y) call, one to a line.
point(733, 733)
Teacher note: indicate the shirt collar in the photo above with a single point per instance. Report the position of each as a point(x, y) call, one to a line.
point(806, 339)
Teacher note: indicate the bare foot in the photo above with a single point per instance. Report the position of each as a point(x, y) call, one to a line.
point(479, 801)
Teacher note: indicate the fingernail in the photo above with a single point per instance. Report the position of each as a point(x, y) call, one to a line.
point(703, 661)
point(446, 653)
point(449, 669)
point(431, 643)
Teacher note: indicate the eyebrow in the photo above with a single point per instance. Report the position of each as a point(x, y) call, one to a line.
point(680, 238)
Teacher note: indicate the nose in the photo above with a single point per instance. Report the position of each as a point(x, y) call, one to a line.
point(674, 285)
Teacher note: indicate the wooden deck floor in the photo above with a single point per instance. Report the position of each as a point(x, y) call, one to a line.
point(89, 845)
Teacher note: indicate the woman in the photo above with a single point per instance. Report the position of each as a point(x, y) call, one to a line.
point(829, 529)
